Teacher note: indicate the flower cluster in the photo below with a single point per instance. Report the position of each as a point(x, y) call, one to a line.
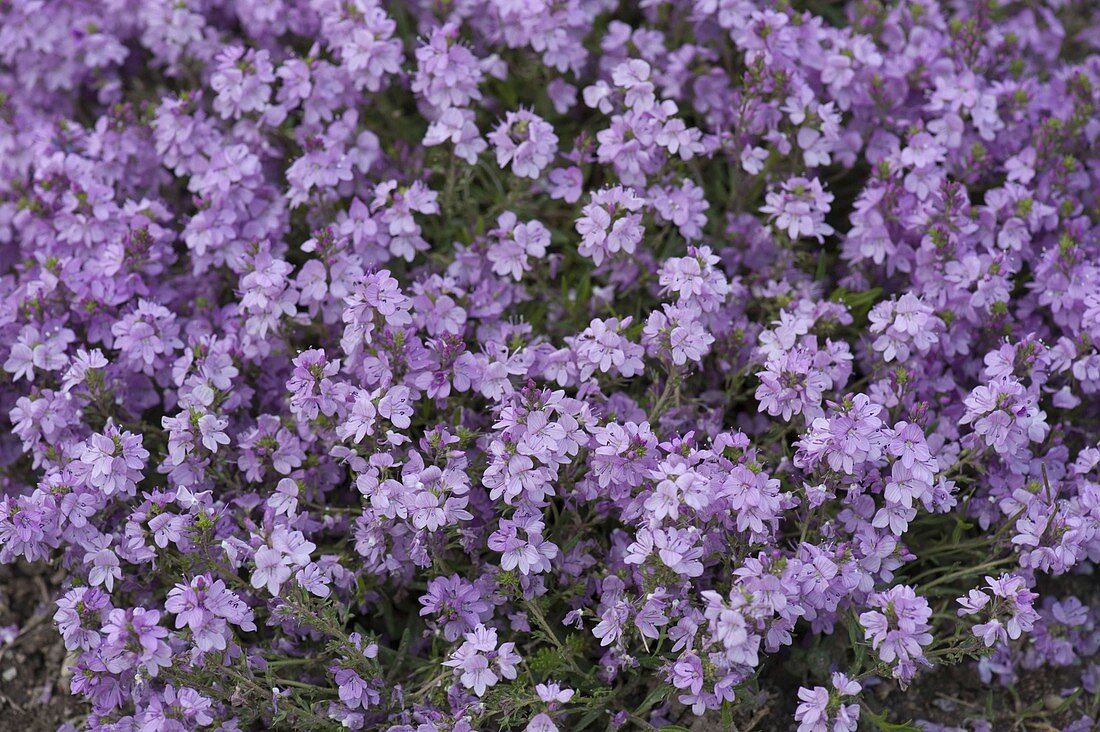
point(443, 366)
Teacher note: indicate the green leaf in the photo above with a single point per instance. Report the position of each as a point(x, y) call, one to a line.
point(859, 303)
point(882, 724)
point(658, 695)
point(822, 261)
point(856, 638)
point(591, 716)
point(960, 526)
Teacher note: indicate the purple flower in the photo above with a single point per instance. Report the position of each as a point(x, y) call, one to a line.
point(113, 461)
point(900, 631)
point(799, 208)
point(205, 607)
point(147, 336)
point(272, 569)
point(80, 614)
point(287, 356)
point(447, 73)
point(819, 709)
point(1008, 606)
point(133, 638)
point(34, 350)
point(601, 347)
point(312, 391)
point(610, 223)
point(242, 81)
point(515, 244)
point(481, 663)
point(1004, 416)
point(526, 141)
point(455, 603)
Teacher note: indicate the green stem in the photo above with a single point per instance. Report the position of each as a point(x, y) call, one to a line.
point(540, 619)
point(966, 572)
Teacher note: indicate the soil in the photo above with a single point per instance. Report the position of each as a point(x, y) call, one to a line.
point(34, 688)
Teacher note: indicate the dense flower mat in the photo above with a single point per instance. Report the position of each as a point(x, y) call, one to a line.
point(458, 365)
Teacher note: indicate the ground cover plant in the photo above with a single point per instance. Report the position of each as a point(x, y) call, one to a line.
point(447, 365)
